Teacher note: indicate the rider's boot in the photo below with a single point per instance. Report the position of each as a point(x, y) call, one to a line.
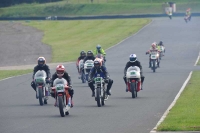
point(139, 87)
point(149, 64)
point(158, 64)
point(93, 93)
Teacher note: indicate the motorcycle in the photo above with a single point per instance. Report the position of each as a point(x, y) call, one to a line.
point(133, 78)
point(100, 95)
point(187, 18)
point(102, 58)
point(162, 51)
point(89, 64)
point(154, 59)
point(63, 99)
point(81, 71)
point(42, 88)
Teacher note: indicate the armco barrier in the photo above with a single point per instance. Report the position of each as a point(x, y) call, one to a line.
point(99, 17)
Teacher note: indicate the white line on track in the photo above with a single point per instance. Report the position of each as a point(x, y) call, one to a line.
point(172, 104)
point(197, 59)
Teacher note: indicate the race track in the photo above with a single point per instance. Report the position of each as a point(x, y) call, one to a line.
point(20, 112)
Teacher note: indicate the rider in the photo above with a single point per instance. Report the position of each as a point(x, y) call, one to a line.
point(153, 47)
point(99, 69)
point(89, 56)
point(41, 66)
point(100, 50)
point(82, 56)
point(61, 73)
point(188, 13)
point(133, 62)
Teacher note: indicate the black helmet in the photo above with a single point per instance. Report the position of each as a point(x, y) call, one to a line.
point(160, 43)
point(82, 53)
point(89, 53)
point(41, 61)
point(97, 64)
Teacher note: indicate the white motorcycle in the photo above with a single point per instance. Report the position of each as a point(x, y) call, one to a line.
point(60, 88)
point(162, 51)
point(88, 65)
point(81, 71)
point(100, 95)
point(133, 78)
point(154, 58)
point(42, 88)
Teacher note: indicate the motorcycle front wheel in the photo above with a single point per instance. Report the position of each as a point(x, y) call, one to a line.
point(61, 106)
point(41, 96)
point(98, 96)
point(133, 89)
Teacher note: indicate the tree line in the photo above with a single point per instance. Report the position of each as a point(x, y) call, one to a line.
point(6, 3)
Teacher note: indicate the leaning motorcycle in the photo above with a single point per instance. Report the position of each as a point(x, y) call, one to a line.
point(100, 95)
point(88, 65)
point(63, 99)
point(133, 78)
point(42, 88)
point(83, 79)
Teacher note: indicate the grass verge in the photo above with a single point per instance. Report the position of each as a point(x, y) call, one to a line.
point(185, 116)
point(68, 38)
point(10, 73)
point(84, 8)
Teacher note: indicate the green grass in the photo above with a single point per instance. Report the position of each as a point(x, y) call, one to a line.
point(9, 73)
point(198, 63)
point(73, 8)
point(185, 116)
point(68, 38)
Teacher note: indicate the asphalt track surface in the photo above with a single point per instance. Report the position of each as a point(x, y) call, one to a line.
point(21, 45)
point(20, 112)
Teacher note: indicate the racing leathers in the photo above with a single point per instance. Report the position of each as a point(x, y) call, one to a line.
point(68, 78)
point(100, 51)
point(136, 63)
point(103, 73)
point(37, 68)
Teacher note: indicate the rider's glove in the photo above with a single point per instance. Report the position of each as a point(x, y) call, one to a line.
point(70, 87)
point(47, 80)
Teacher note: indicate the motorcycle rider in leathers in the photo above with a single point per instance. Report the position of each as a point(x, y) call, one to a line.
point(61, 73)
point(99, 69)
point(153, 48)
point(41, 66)
point(100, 50)
point(133, 62)
point(81, 57)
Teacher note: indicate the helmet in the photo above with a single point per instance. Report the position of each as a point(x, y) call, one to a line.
point(41, 61)
point(133, 58)
point(188, 10)
point(60, 69)
point(97, 63)
point(98, 47)
point(99, 60)
point(82, 53)
point(89, 53)
point(153, 45)
point(160, 43)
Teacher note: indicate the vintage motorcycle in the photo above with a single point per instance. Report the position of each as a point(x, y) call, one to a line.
point(100, 95)
point(102, 59)
point(187, 18)
point(133, 78)
point(82, 74)
point(154, 59)
point(63, 99)
point(88, 65)
point(42, 88)
point(162, 51)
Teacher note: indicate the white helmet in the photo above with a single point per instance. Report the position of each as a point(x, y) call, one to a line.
point(133, 58)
